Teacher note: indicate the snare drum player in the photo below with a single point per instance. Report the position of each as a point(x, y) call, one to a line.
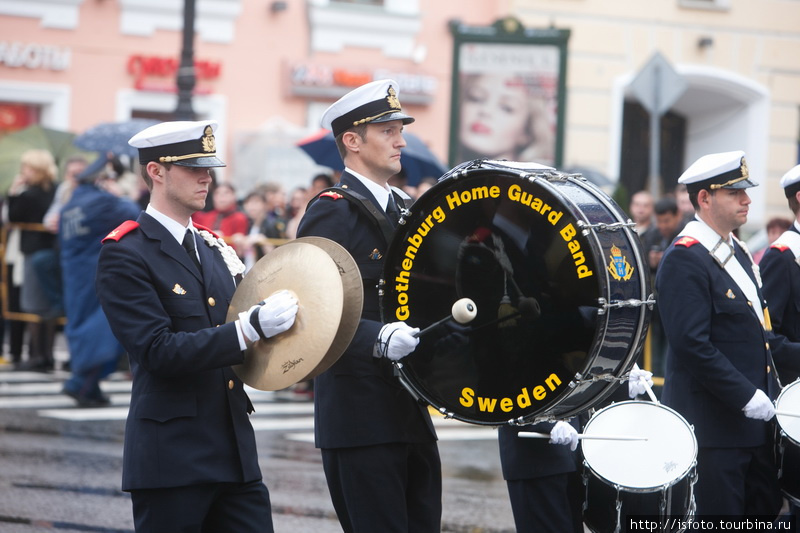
point(189, 457)
point(720, 373)
point(780, 272)
point(378, 444)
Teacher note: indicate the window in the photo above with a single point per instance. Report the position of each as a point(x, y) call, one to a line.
point(719, 5)
point(388, 25)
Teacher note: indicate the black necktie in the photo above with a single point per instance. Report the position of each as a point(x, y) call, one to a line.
point(190, 247)
point(392, 211)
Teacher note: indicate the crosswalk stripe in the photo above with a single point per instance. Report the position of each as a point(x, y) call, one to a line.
point(274, 410)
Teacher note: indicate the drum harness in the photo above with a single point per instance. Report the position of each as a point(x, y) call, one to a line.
point(368, 208)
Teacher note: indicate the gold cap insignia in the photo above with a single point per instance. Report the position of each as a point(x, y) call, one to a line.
point(391, 98)
point(209, 144)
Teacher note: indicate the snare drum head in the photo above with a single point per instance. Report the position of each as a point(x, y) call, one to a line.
point(512, 244)
point(789, 401)
point(665, 457)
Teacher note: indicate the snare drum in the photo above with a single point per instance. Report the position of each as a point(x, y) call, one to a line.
point(559, 281)
point(787, 442)
point(647, 478)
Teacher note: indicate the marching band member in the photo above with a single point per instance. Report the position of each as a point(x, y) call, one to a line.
point(720, 372)
point(165, 284)
point(378, 444)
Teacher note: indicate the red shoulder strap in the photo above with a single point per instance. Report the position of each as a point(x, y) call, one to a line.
point(779, 246)
point(331, 194)
point(121, 230)
point(686, 241)
point(203, 228)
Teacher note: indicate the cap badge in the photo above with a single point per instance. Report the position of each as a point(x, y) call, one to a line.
point(209, 144)
point(619, 267)
point(391, 98)
point(745, 175)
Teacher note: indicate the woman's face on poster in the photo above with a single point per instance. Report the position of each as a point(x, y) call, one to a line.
point(495, 116)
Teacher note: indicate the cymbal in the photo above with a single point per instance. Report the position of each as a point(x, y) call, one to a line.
point(353, 292)
point(312, 276)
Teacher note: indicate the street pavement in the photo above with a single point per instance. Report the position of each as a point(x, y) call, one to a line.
point(60, 465)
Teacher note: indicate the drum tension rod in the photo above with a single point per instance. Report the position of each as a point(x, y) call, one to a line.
point(602, 226)
point(618, 304)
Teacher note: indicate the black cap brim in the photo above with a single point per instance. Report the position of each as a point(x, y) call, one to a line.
point(394, 116)
point(743, 184)
point(200, 162)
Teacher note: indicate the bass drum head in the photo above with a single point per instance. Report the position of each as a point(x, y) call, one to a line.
point(513, 245)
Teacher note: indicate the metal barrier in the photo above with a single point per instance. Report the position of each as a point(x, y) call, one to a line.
point(8, 314)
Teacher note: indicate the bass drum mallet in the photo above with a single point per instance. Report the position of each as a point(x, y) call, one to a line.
point(463, 311)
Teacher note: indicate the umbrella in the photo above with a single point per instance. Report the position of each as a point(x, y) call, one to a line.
point(113, 136)
point(417, 159)
point(13, 145)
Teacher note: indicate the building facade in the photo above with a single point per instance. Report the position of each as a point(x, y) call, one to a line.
point(267, 69)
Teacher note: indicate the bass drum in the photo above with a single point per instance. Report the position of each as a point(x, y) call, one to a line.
point(558, 279)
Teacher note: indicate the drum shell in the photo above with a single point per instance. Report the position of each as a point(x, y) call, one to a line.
point(449, 243)
point(599, 509)
point(787, 442)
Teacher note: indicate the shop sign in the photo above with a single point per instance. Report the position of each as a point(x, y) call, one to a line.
point(153, 73)
point(34, 56)
point(315, 81)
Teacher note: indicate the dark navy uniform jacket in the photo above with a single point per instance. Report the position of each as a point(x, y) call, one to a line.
point(358, 401)
point(780, 273)
point(718, 353)
point(188, 422)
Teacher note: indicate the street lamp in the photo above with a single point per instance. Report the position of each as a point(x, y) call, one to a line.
point(186, 74)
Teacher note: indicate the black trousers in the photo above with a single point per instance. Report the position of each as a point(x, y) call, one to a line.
point(737, 482)
point(207, 508)
point(391, 488)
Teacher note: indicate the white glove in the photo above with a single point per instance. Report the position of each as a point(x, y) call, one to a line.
point(635, 385)
point(396, 340)
point(266, 319)
point(759, 407)
point(564, 433)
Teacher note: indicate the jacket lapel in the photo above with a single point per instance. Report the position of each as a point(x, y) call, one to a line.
point(155, 231)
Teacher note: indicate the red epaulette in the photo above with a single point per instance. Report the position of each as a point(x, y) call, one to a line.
point(203, 228)
point(331, 194)
point(686, 241)
point(121, 230)
point(779, 246)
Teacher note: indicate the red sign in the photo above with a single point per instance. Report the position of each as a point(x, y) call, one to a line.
point(17, 116)
point(153, 73)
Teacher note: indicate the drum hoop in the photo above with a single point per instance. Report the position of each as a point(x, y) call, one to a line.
point(784, 391)
point(675, 480)
point(642, 325)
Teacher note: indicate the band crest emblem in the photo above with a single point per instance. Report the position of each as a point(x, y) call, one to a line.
point(618, 267)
